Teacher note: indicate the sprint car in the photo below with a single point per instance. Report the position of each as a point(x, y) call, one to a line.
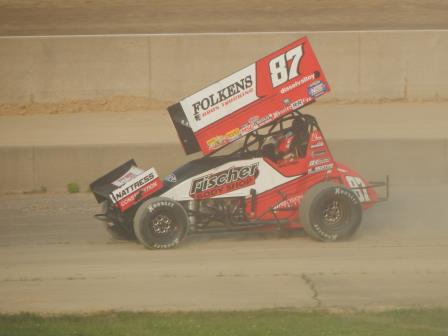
point(265, 163)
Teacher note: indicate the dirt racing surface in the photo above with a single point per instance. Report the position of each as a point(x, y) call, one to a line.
point(51, 17)
point(56, 258)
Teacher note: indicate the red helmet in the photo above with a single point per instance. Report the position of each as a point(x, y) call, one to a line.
point(285, 143)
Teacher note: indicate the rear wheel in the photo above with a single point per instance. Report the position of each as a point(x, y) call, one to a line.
point(330, 212)
point(160, 223)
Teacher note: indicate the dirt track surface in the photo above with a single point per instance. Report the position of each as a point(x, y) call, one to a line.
point(51, 17)
point(56, 258)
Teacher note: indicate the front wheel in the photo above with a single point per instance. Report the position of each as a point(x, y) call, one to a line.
point(160, 223)
point(330, 212)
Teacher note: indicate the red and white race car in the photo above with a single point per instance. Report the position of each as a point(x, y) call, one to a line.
point(265, 163)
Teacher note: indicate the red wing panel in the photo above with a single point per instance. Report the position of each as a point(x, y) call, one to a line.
point(264, 91)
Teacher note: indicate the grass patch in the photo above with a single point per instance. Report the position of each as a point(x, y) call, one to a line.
point(278, 322)
point(73, 188)
point(41, 190)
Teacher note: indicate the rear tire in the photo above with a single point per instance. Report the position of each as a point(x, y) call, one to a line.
point(160, 223)
point(330, 212)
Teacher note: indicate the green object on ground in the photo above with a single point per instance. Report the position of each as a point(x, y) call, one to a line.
point(426, 322)
point(73, 188)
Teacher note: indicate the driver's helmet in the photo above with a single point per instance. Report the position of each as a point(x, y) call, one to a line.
point(285, 144)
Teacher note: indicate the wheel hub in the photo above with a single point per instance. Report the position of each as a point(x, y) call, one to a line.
point(162, 224)
point(333, 213)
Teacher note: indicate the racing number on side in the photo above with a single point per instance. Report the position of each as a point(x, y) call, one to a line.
point(280, 72)
point(356, 182)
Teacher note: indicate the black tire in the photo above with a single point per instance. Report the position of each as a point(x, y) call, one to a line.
point(160, 223)
point(330, 212)
point(118, 230)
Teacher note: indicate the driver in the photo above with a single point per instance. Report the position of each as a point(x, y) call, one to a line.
point(286, 151)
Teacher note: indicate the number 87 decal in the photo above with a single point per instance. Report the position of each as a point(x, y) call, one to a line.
point(280, 72)
point(359, 188)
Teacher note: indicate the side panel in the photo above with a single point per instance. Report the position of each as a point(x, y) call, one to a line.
point(104, 185)
point(283, 199)
point(317, 166)
point(232, 179)
point(264, 91)
point(360, 186)
point(132, 190)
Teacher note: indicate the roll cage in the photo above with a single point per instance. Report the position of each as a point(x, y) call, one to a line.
point(256, 143)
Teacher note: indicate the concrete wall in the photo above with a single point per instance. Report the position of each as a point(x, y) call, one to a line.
point(361, 66)
point(52, 167)
point(55, 69)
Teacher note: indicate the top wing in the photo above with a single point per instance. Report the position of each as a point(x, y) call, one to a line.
point(254, 96)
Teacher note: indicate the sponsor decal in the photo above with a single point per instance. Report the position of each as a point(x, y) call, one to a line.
point(301, 102)
point(136, 189)
point(224, 181)
point(298, 83)
point(233, 134)
point(330, 237)
point(133, 185)
point(216, 142)
point(320, 168)
point(345, 192)
point(288, 109)
point(316, 136)
point(358, 187)
point(221, 98)
point(317, 88)
point(292, 202)
point(172, 178)
point(318, 153)
point(317, 144)
point(159, 204)
point(318, 162)
point(297, 104)
point(254, 123)
point(207, 105)
point(132, 173)
point(133, 198)
point(250, 125)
